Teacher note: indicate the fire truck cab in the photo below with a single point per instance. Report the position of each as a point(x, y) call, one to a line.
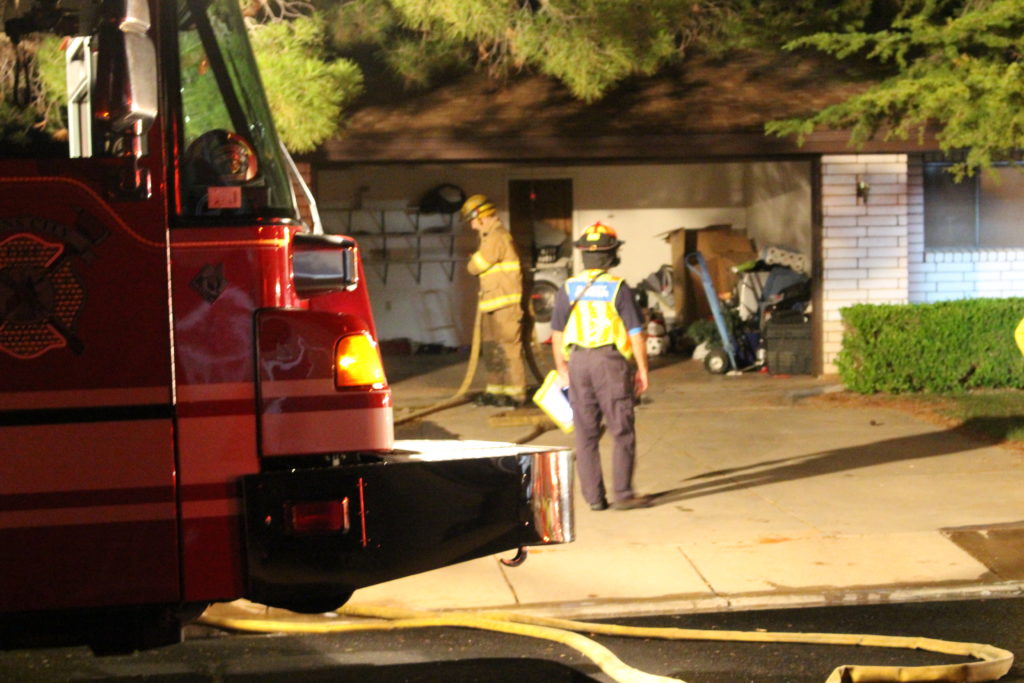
point(193, 406)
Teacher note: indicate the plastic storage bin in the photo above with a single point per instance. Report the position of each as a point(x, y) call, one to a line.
point(788, 347)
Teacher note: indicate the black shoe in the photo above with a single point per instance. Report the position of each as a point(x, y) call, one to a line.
point(485, 400)
point(633, 503)
point(599, 505)
point(506, 401)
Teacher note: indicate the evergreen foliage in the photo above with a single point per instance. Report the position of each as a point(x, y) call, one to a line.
point(32, 89)
point(955, 65)
point(589, 45)
point(53, 97)
point(306, 91)
point(307, 87)
point(759, 24)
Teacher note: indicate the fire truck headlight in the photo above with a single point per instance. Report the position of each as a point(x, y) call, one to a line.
point(357, 363)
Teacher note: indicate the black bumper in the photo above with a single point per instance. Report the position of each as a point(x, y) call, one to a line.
point(409, 514)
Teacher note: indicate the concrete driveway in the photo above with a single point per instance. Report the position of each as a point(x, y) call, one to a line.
point(765, 497)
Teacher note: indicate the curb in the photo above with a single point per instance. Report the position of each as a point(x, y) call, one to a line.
point(679, 605)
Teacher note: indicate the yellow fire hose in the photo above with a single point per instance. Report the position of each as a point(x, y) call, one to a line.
point(459, 397)
point(993, 662)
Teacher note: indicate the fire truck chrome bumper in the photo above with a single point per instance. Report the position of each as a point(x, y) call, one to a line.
point(313, 535)
point(548, 479)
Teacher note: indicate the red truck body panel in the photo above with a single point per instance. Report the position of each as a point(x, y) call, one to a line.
point(87, 459)
point(181, 381)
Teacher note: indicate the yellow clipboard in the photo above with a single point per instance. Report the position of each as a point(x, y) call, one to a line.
point(553, 399)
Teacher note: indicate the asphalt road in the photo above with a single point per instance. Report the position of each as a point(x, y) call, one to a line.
point(458, 656)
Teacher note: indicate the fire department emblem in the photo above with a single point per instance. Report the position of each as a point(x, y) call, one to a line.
point(40, 297)
point(209, 283)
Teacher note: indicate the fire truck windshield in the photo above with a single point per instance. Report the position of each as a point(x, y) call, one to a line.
point(231, 163)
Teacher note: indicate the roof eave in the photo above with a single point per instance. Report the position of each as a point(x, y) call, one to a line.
point(678, 147)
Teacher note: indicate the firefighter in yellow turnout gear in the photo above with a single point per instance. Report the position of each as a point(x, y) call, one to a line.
point(501, 293)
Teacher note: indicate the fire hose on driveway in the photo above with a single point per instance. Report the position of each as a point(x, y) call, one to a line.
point(993, 662)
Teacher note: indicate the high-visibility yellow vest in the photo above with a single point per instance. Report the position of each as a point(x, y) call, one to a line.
point(1018, 335)
point(593, 321)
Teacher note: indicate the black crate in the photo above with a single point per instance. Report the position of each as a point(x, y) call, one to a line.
point(788, 348)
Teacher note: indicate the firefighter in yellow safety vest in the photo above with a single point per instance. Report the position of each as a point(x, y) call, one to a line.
point(597, 344)
point(501, 293)
point(1018, 335)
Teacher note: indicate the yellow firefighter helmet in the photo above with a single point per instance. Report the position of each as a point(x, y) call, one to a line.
point(477, 206)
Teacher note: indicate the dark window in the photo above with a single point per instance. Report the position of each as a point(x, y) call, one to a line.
point(982, 212)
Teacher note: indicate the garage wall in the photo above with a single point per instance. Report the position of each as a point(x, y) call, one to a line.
point(779, 206)
point(642, 202)
point(416, 289)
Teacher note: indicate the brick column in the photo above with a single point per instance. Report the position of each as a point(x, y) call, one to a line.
point(864, 239)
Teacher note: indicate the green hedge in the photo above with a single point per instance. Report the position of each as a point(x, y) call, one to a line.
point(942, 347)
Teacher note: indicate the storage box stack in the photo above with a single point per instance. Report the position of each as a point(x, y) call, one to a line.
point(722, 248)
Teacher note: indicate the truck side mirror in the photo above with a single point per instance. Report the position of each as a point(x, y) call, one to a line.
point(125, 96)
point(322, 264)
point(126, 91)
point(140, 107)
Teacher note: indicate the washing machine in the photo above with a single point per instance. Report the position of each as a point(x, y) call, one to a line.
point(546, 283)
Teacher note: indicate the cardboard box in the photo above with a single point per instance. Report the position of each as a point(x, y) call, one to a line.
point(722, 248)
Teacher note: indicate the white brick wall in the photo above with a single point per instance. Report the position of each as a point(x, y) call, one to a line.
point(865, 245)
point(942, 275)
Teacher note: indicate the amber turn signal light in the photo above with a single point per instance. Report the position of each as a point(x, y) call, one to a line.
point(357, 362)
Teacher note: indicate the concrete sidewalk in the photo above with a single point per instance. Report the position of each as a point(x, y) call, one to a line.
point(765, 497)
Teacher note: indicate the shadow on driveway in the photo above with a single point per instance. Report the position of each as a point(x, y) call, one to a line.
point(956, 440)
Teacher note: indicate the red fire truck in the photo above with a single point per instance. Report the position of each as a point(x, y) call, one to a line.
point(192, 402)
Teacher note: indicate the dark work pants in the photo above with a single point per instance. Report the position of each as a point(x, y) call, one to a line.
point(601, 387)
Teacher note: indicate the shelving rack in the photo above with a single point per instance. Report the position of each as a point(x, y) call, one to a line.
point(398, 236)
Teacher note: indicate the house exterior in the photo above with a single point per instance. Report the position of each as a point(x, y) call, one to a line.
point(901, 245)
point(882, 224)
